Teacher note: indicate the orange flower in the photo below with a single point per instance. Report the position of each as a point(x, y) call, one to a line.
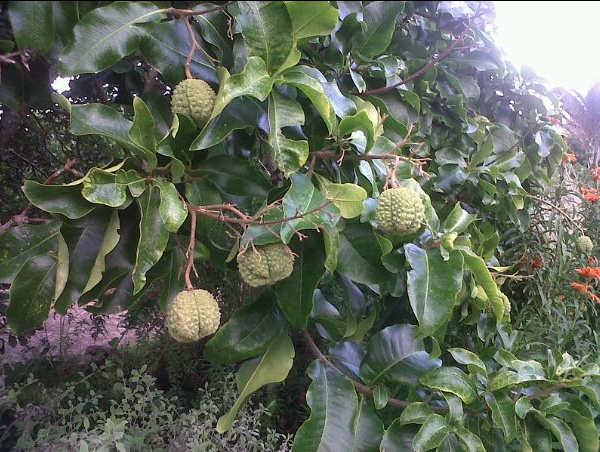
point(569, 157)
point(589, 272)
point(591, 194)
point(596, 173)
point(584, 288)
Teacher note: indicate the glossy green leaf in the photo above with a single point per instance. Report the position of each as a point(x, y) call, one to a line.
point(312, 83)
point(458, 220)
point(21, 243)
point(506, 377)
point(272, 367)
point(173, 210)
point(214, 28)
point(453, 380)
point(154, 237)
point(31, 293)
point(58, 199)
point(105, 35)
point(469, 359)
point(362, 122)
point(268, 32)
point(432, 433)
point(253, 81)
point(579, 415)
point(333, 403)
point(104, 187)
point(394, 355)
point(143, 129)
point(331, 238)
point(88, 240)
point(398, 437)
point(481, 273)
point(503, 414)
point(349, 198)
point(381, 395)
point(433, 285)
point(241, 113)
point(166, 47)
point(469, 439)
point(367, 428)
point(173, 282)
point(537, 436)
point(415, 413)
point(295, 293)
point(308, 204)
point(561, 431)
point(234, 176)
point(318, 20)
point(100, 119)
point(380, 18)
point(32, 25)
point(109, 242)
point(248, 332)
point(359, 256)
point(290, 155)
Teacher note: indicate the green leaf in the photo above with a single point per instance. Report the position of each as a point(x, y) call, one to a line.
point(290, 155)
point(380, 18)
point(31, 293)
point(214, 28)
point(349, 198)
point(431, 434)
point(166, 47)
point(469, 439)
point(253, 81)
point(85, 239)
point(561, 431)
point(302, 198)
point(451, 379)
point(367, 428)
point(154, 237)
point(143, 129)
point(362, 122)
point(469, 359)
point(458, 220)
point(32, 25)
point(58, 199)
point(506, 377)
point(234, 176)
point(359, 256)
point(381, 395)
point(100, 119)
point(538, 438)
point(248, 332)
point(579, 415)
point(272, 367)
point(173, 210)
point(21, 243)
point(433, 285)
point(295, 293)
point(395, 356)
point(241, 113)
point(503, 414)
point(415, 413)
point(172, 282)
point(331, 238)
point(268, 32)
point(109, 242)
point(318, 20)
point(398, 438)
point(105, 35)
point(312, 83)
point(105, 187)
point(333, 404)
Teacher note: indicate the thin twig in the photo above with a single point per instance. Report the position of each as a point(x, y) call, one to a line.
point(361, 388)
point(190, 252)
point(189, 12)
point(432, 62)
point(559, 210)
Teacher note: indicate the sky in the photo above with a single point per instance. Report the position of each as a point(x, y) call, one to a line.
point(559, 40)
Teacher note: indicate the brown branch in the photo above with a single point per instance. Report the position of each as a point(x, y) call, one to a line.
point(432, 62)
point(361, 388)
point(547, 391)
point(190, 253)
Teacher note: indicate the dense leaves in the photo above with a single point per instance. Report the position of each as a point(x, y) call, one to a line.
point(320, 107)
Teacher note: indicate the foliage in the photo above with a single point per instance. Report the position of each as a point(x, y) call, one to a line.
point(130, 413)
point(318, 111)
